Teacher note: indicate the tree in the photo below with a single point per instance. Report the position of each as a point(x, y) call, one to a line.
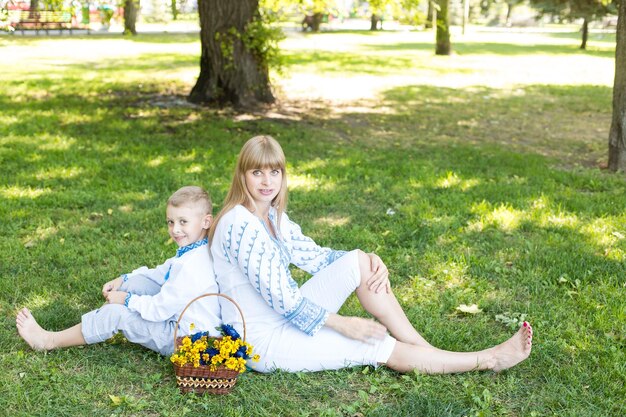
point(377, 10)
point(617, 134)
point(314, 12)
point(131, 9)
point(587, 10)
point(443, 46)
point(237, 49)
point(510, 4)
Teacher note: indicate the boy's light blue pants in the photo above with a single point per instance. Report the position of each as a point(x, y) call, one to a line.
point(102, 324)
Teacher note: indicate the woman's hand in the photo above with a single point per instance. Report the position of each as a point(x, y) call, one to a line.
point(379, 281)
point(357, 328)
point(116, 297)
point(112, 285)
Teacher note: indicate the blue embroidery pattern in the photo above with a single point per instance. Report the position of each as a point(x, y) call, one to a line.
point(264, 260)
point(181, 251)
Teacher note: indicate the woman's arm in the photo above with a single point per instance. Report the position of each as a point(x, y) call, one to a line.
point(357, 328)
point(306, 254)
point(244, 242)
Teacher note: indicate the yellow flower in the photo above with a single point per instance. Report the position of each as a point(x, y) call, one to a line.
point(227, 347)
point(192, 326)
point(256, 358)
point(231, 363)
point(241, 364)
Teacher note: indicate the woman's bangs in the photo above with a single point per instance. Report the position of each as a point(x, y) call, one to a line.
point(265, 159)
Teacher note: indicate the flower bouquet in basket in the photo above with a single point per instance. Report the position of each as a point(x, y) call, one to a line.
point(204, 363)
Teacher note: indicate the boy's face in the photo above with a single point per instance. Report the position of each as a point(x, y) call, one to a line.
point(187, 223)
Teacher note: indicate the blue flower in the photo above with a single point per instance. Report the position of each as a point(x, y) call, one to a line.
point(196, 336)
point(241, 353)
point(228, 330)
point(212, 351)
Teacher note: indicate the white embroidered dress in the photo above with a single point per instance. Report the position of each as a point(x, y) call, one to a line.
point(252, 267)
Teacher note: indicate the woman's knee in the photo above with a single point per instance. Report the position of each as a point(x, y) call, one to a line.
point(364, 265)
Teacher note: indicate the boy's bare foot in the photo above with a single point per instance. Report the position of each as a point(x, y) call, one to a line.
point(514, 350)
point(31, 331)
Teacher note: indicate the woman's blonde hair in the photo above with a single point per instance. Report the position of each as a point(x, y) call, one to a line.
point(260, 152)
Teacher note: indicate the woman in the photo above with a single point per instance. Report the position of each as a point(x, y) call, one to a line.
point(297, 328)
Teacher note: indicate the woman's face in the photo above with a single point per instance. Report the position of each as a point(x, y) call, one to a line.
point(264, 185)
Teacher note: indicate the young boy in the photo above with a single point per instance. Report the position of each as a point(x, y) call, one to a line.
point(146, 303)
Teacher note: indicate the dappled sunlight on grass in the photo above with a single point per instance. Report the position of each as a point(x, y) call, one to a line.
point(60, 172)
point(332, 221)
point(452, 180)
point(560, 220)
point(41, 234)
point(155, 162)
point(194, 169)
point(15, 192)
point(603, 233)
point(504, 218)
point(307, 182)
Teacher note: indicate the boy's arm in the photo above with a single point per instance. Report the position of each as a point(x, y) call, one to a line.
point(158, 274)
point(186, 281)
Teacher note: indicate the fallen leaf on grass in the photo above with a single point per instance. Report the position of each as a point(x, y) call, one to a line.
point(473, 309)
point(115, 399)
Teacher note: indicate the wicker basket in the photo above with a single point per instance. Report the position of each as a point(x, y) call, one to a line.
point(202, 379)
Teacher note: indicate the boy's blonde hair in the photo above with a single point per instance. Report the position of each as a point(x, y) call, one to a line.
point(259, 152)
point(191, 194)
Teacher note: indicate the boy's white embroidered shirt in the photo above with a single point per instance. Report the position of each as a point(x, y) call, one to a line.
point(249, 260)
point(182, 278)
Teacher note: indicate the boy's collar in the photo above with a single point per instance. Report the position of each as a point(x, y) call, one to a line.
point(182, 250)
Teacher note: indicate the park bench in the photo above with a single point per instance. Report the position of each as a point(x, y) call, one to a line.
point(43, 20)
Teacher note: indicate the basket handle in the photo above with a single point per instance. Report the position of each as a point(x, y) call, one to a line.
point(210, 295)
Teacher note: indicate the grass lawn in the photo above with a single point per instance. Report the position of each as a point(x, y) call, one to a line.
point(478, 179)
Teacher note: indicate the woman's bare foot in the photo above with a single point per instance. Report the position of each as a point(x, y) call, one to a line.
point(514, 350)
point(31, 331)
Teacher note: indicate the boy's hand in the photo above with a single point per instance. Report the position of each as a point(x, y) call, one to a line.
point(112, 285)
point(116, 297)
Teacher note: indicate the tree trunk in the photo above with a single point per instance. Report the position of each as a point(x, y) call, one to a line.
point(229, 72)
point(443, 29)
point(617, 135)
point(174, 8)
point(131, 10)
point(374, 20)
point(585, 31)
point(429, 15)
point(312, 21)
point(509, 13)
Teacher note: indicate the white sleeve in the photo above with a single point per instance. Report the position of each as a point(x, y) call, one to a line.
point(181, 286)
point(307, 254)
point(247, 244)
point(158, 274)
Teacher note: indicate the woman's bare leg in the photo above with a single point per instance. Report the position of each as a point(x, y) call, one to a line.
point(41, 339)
point(406, 357)
point(386, 309)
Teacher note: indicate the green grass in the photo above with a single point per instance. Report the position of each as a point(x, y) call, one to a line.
point(495, 185)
